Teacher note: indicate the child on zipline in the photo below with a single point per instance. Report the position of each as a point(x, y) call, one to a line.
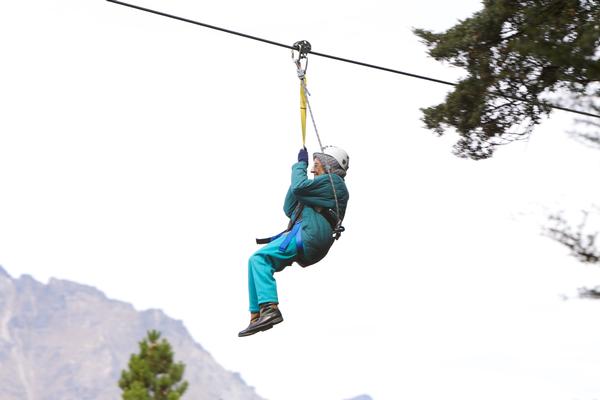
point(316, 208)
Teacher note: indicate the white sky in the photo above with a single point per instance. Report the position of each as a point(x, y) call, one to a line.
point(143, 155)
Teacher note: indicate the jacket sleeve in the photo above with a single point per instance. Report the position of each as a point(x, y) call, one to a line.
point(290, 203)
point(311, 192)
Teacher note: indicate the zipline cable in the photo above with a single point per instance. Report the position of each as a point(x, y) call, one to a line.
point(336, 58)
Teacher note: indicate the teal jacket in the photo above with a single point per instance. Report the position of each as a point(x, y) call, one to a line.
point(317, 234)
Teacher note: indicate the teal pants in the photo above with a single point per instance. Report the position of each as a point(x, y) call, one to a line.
point(262, 287)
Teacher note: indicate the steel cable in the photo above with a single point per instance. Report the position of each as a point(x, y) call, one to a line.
point(336, 58)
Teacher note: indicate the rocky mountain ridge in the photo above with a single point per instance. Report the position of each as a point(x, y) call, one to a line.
point(67, 341)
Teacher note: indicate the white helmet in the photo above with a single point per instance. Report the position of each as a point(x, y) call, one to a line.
point(339, 154)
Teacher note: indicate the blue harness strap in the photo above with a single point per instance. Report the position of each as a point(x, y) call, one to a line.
point(294, 233)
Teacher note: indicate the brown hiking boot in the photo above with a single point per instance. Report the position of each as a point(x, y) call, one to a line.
point(269, 316)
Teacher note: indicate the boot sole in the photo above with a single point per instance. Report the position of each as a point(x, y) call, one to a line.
point(262, 328)
point(270, 323)
point(252, 332)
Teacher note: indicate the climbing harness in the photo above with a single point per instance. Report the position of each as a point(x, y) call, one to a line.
point(334, 221)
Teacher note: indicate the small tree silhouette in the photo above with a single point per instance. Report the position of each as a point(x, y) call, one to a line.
point(152, 374)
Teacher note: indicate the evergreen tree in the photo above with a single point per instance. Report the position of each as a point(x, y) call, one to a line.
point(521, 56)
point(152, 374)
point(518, 54)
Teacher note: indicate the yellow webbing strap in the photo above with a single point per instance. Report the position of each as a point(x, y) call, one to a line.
point(303, 110)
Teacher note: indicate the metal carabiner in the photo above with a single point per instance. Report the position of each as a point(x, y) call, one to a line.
point(339, 229)
point(302, 47)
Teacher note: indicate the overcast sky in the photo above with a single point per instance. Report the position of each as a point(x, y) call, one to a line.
point(143, 155)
